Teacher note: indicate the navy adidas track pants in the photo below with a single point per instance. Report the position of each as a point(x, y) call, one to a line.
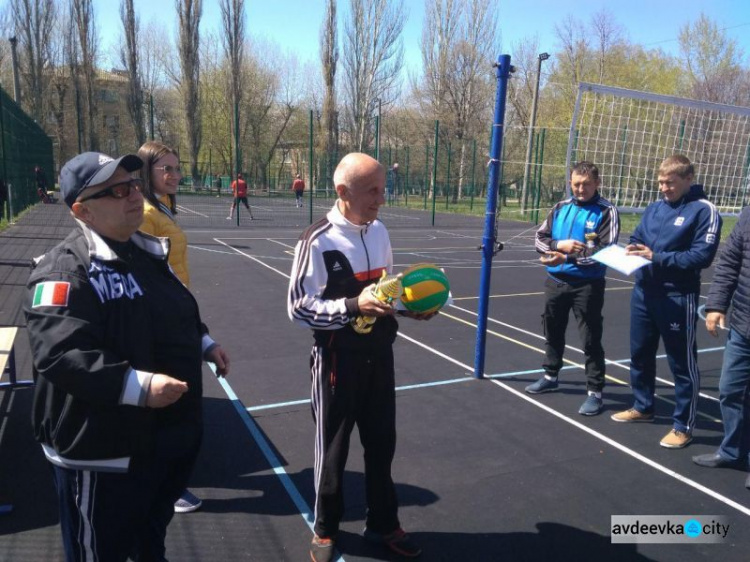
point(672, 317)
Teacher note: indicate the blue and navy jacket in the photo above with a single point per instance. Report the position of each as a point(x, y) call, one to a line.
point(684, 237)
point(572, 219)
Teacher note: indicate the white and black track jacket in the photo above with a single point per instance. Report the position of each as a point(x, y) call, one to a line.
point(334, 261)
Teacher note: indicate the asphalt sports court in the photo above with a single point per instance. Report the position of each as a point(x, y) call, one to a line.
point(484, 472)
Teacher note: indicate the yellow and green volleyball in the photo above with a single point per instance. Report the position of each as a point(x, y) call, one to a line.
point(426, 288)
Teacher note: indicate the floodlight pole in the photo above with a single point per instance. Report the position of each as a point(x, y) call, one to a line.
point(489, 245)
point(16, 81)
point(532, 123)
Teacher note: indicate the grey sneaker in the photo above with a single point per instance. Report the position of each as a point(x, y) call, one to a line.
point(187, 503)
point(541, 386)
point(591, 406)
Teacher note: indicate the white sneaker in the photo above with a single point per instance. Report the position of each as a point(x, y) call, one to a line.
point(229, 218)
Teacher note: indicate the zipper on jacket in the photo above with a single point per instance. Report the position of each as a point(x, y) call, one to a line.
point(367, 254)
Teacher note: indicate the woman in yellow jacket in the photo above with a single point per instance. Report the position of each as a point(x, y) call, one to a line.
point(161, 175)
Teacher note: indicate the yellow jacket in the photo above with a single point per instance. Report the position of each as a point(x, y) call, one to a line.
point(159, 224)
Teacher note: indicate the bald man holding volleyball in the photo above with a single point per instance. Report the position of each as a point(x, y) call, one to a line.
point(337, 261)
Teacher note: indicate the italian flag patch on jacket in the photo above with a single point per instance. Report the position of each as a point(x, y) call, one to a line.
point(51, 293)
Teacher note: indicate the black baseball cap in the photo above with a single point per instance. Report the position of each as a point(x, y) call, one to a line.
point(92, 168)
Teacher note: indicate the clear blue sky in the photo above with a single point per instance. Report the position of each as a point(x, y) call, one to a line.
point(295, 24)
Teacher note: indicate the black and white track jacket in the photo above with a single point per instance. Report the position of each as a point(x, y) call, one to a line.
point(334, 261)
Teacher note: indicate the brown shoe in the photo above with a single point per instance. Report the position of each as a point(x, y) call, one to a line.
point(632, 415)
point(676, 439)
point(321, 549)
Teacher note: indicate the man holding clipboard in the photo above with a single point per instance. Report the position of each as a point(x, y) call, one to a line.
point(679, 235)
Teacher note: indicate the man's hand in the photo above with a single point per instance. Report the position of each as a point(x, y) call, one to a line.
point(369, 305)
point(713, 319)
point(570, 246)
point(164, 390)
point(552, 259)
point(221, 359)
point(639, 250)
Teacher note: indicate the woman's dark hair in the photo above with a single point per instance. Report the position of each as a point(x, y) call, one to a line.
point(150, 153)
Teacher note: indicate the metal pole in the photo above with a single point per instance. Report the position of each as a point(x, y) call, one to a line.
point(151, 114)
point(489, 240)
point(2, 148)
point(473, 172)
point(310, 166)
point(532, 123)
point(377, 133)
point(434, 171)
point(237, 169)
point(406, 179)
point(448, 178)
point(16, 81)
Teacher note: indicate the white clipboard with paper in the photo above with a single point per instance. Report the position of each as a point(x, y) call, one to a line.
point(614, 256)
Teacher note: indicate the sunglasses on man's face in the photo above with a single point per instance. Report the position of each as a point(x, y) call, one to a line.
point(117, 191)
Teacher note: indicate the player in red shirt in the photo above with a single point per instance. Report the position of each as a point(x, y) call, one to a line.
point(239, 190)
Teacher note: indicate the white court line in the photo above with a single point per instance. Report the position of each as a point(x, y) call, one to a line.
point(212, 250)
point(607, 361)
point(627, 450)
point(188, 210)
point(719, 497)
point(248, 256)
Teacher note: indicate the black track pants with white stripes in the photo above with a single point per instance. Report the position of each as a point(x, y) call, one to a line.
point(350, 389)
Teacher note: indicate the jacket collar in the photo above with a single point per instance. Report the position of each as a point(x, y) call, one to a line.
point(337, 218)
point(99, 249)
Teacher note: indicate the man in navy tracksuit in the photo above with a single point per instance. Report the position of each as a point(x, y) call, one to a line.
point(679, 235)
point(337, 260)
point(574, 229)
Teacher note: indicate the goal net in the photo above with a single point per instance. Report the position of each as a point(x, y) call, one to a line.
point(627, 134)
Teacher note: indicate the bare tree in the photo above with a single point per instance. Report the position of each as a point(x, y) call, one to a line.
point(608, 34)
point(373, 59)
point(59, 76)
point(129, 59)
point(269, 104)
point(33, 20)
point(83, 11)
point(233, 20)
point(189, 14)
point(713, 62)
point(459, 41)
point(439, 35)
point(329, 56)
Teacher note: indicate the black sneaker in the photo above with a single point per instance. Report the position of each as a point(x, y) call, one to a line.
point(398, 541)
point(321, 549)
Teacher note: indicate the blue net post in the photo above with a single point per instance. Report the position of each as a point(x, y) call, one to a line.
point(489, 240)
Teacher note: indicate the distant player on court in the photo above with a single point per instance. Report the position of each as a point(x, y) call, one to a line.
point(239, 190)
point(574, 229)
point(298, 186)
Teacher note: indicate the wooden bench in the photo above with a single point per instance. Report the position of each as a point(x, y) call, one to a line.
point(8, 359)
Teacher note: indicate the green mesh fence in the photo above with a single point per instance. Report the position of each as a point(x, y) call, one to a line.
point(23, 147)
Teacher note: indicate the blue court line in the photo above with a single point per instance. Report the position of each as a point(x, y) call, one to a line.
point(707, 350)
point(468, 377)
point(268, 453)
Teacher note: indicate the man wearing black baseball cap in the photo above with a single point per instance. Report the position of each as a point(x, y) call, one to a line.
point(118, 346)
